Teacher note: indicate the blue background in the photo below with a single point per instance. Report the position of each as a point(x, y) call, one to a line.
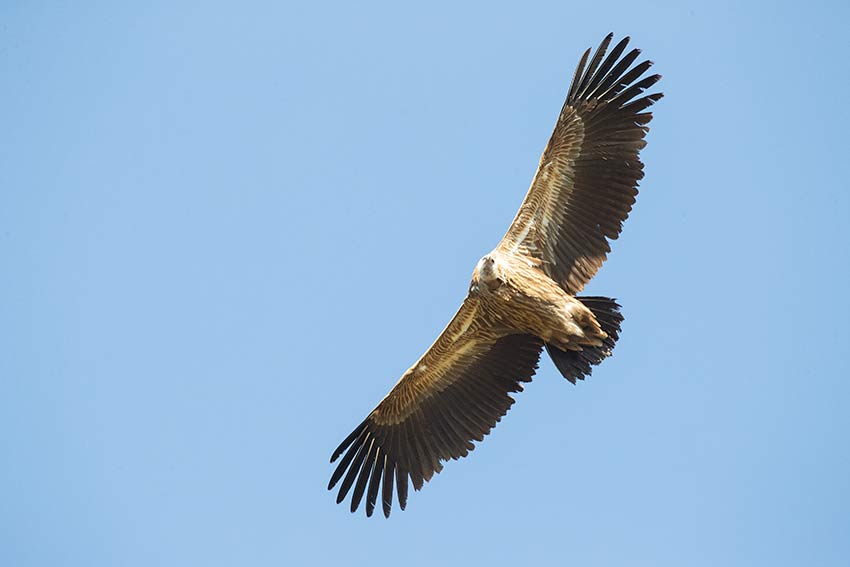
point(226, 230)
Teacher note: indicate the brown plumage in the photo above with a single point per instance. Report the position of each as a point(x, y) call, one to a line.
point(522, 296)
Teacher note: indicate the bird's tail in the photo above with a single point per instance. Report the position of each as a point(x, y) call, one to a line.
point(577, 364)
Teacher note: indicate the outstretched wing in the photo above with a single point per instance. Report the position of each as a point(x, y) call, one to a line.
point(588, 175)
point(453, 395)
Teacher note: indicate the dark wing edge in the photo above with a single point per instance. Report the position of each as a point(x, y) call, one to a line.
point(381, 454)
point(589, 172)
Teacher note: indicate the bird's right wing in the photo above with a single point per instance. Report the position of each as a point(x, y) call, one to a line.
point(453, 395)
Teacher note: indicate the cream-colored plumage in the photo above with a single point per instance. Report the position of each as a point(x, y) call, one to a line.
point(522, 295)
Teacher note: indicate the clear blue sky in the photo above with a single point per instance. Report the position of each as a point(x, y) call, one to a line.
point(225, 231)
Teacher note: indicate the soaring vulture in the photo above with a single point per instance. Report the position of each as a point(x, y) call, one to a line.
point(522, 297)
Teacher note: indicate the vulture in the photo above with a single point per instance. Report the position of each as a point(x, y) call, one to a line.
point(523, 295)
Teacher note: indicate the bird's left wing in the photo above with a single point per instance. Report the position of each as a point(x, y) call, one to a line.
point(453, 395)
point(587, 179)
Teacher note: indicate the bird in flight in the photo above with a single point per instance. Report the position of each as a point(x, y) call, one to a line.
point(522, 297)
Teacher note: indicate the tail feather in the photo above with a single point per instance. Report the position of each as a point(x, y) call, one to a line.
point(575, 365)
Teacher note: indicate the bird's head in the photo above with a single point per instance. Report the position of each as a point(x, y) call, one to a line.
point(485, 276)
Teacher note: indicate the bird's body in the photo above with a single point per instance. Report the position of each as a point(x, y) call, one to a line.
point(523, 295)
point(513, 295)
